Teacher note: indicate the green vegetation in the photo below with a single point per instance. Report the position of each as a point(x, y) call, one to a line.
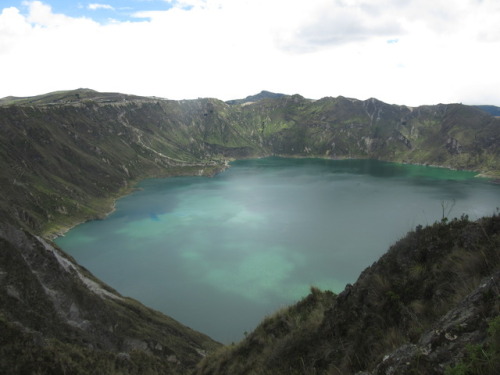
point(481, 359)
point(287, 332)
point(24, 353)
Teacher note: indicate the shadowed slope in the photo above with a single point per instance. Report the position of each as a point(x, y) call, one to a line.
point(57, 318)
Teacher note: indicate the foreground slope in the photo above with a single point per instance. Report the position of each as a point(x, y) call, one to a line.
point(56, 318)
point(431, 303)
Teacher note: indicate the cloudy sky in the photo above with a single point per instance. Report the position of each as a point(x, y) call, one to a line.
point(409, 52)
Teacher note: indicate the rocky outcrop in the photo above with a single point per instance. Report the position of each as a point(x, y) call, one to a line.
point(453, 146)
point(449, 341)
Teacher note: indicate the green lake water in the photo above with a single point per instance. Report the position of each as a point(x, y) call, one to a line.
point(219, 254)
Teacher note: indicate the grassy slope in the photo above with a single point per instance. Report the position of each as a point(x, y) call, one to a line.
point(58, 318)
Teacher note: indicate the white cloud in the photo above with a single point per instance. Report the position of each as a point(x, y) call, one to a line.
point(41, 15)
point(12, 27)
point(233, 48)
point(188, 4)
point(96, 6)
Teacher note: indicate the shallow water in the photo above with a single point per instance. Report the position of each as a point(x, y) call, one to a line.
point(219, 254)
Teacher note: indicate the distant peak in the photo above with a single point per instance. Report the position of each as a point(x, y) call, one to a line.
point(264, 94)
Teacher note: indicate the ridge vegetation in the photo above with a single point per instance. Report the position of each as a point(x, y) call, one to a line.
point(65, 157)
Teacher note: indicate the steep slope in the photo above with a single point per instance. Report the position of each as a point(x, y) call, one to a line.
point(418, 310)
point(56, 318)
point(64, 163)
point(452, 135)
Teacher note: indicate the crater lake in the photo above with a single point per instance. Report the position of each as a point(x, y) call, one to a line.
point(220, 253)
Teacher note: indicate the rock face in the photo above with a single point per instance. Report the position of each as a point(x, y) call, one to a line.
point(52, 310)
point(446, 344)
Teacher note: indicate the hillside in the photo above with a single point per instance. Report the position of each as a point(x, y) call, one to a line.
point(56, 318)
point(491, 109)
point(424, 307)
point(66, 156)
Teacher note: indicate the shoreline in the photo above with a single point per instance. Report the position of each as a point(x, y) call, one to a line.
point(495, 178)
point(60, 231)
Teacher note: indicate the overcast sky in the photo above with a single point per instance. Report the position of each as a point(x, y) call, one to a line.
point(409, 52)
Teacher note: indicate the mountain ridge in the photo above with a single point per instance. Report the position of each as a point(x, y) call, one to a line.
point(491, 109)
point(255, 98)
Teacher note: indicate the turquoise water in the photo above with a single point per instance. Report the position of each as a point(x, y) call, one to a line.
point(221, 253)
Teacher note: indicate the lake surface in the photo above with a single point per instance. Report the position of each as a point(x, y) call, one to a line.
point(219, 254)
